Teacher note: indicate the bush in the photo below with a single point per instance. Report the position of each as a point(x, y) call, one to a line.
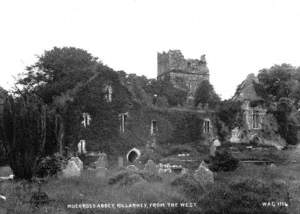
point(246, 196)
point(223, 161)
point(50, 165)
point(129, 177)
point(187, 184)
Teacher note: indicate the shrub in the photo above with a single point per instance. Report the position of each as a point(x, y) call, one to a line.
point(128, 177)
point(50, 165)
point(187, 184)
point(246, 196)
point(223, 161)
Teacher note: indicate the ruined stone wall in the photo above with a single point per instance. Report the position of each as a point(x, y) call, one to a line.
point(187, 81)
point(185, 74)
point(173, 60)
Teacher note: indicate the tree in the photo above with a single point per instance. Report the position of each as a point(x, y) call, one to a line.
point(205, 93)
point(25, 131)
point(229, 114)
point(276, 81)
point(58, 70)
point(287, 127)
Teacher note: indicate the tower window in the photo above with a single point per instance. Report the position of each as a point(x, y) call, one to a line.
point(206, 126)
point(255, 120)
point(154, 128)
point(108, 93)
point(86, 119)
point(123, 119)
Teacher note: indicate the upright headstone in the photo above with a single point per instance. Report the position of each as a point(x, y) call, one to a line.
point(71, 170)
point(203, 175)
point(151, 167)
point(184, 171)
point(101, 172)
point(212, 150)
point(101, 164)
point(235, 138)
point(216, 142)
point(102, 160)
point(120, 162)
point(203, 164)
point(78, 162)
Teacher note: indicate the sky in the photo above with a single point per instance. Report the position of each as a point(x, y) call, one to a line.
point(238, 36)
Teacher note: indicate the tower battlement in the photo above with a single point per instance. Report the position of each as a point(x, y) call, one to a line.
point(185, 74)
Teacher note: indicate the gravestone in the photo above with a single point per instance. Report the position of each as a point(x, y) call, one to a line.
point(216, 142)
point(164, 168)
point(212, 149)
point(151, 167)
point(235, 135)
point(102, 160)
point(184, 171)
point(203, 175)
point(78, 162)
point(5, 171)
point(120, 162)
point(101, 172)
point(71, 170)
point(132, 167)
point(203, 164)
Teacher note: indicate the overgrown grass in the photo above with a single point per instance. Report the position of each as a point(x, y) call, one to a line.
point(239, 191)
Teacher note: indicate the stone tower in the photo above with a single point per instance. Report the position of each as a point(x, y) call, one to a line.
point(185, 74)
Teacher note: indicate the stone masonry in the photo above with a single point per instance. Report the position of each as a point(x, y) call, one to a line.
point(185, 74)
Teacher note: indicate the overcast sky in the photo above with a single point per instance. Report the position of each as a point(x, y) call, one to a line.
point(238, 36)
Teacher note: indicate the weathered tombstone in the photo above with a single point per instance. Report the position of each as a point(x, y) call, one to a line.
point(164, 168)
point(101, 172)
point(203, 175)
point(102, 160)
point(212, 149)
point(151, 167)
point(184, 171)
point(216, 142)
point(71, 170)
point(5, 171)
point(78, 162)
point(235, 138)
point(204, 164)
point(120, 162)
point(132, 167)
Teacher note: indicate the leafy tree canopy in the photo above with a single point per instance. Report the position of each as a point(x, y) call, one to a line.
point(205, 93)
point(57, 70)
point(279, 81)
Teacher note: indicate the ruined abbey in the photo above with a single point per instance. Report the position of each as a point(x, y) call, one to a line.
point(185, 74)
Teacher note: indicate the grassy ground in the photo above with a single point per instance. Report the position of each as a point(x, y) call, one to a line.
point(88, 189)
